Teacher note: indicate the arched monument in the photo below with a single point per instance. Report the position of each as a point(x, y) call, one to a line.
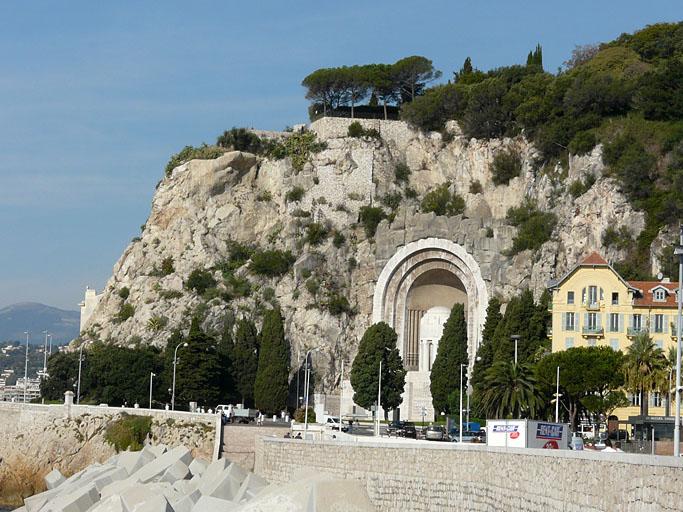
point(414, 294)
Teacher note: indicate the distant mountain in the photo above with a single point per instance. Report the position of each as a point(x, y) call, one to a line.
point(34, 317)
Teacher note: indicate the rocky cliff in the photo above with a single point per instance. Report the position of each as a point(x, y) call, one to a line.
point(205, 205)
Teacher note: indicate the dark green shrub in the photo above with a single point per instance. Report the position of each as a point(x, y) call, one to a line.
point(268, 294)
point(299, 147)
point(167, 266)
point(534, 227)
point(578, 188)
point(188, 153)
point(411, 193)
point(264, 196)
point(338, 239)
point(124, 292)
point(237, 286)
point(438, 105)
point(633, 166)
point(352, 263)
point(370, 217)
point(356, 130)
point(392, 200)
point(128, 432)
point(313, 286)
point(442, 202)
point(301, 213)
point(125, 312)
point(295, 194)
point(240, 139)
point(621, 238)
point(210, 294)
point(476, 188)
point(582, 143)
point(170, 294)
point(271, 263)
point(316, 233)
point(300, 415)
point(200, 280)
point(489, 232)
point(402, 172)
point(506, 165)
point(337, 304)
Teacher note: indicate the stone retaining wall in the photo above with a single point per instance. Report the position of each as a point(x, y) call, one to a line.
point(239, 442)
point(425, 476)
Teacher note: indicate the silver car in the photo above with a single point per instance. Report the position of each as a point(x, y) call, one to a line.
point(435, 433)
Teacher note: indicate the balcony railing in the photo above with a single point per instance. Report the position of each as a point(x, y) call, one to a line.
point(592, 331)
point(592, 306)
point(635, 331)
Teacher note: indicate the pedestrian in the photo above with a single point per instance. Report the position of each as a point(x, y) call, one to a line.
point(298, 435)
point(617, 447)
point(288, 435)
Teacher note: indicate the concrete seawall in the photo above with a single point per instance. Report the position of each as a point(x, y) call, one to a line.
point(34, 439)
point(425, 476)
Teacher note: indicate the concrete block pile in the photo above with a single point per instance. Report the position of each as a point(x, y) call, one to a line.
point(158, 479)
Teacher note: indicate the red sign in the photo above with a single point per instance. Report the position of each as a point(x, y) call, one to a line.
point(551, 445)
point(514, 435)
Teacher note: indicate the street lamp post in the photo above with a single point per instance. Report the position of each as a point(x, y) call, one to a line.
point(307, 384)
point(460, 415)
point(557, 396)
point(515, 338)
point(45, 353)
point(80, 361)
point(677, 426)
point(379, 398)
point(175, 361)
point(26, 369)
point(151, 379)
point(50, 350)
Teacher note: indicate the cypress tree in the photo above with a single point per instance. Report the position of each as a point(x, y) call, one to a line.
point(378, 344)
point(198, 373)
point(485, 354)
point(451, 353)
point(245, 360)
point(225, 346)
point(272, 377)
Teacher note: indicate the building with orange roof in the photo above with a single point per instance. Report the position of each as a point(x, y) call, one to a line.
point(592, 305)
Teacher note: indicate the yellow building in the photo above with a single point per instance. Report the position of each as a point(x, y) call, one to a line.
point(593, 305)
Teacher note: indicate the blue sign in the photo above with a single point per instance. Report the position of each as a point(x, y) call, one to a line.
point(505, 428)
point(549, 431)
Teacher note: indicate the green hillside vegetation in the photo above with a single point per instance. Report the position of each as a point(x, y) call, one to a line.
point(626, 94)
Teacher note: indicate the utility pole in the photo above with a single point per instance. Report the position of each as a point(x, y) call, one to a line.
point(677, 426)
point(45, 353)
point(515, 338)
point(26, 369)
point(80, 361)
point(557, 397)
point(379, 396)
point(151, 379)
point(175, 360)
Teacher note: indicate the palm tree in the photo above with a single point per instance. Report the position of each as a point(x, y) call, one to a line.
point(510, 390)
point(645, 369)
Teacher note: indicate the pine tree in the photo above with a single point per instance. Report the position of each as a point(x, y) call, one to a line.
point(225, 348)
point(271, 386)
point(451, 353)
point(467, 67)
point(378, 344)
point(245, 360)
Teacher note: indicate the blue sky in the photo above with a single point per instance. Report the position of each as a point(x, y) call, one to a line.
point(95, 96)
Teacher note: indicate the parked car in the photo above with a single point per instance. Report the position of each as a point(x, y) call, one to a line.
point(395, 429)
point(435, 433)
point(467, 436)
point(333, 423)
point(409, 430)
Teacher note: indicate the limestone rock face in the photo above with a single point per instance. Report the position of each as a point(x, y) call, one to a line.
point(205, 204)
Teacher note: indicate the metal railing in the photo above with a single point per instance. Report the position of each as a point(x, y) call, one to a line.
point(594, 331)
point(635, 331)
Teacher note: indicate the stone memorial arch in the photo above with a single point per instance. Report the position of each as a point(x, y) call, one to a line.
point(414, 294)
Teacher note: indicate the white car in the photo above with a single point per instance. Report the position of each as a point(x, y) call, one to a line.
point(333, 423)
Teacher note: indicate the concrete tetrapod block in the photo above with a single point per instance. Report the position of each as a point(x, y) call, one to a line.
point(198, 467)
point(213, 470)
point(226, 484)
point(211, 504)
point(187, 502)
point(116, 488)
point(53, 479)
point(334, 495)
point(37, 501)
point(133, 461)
point(250, 488)
point(178, 471)
point(79, 500)
point(185, 487)
point(155, 449)
point(110, 504)
point(157, 467)
point(297, 495)
point(113, 475)
point(157, 503)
